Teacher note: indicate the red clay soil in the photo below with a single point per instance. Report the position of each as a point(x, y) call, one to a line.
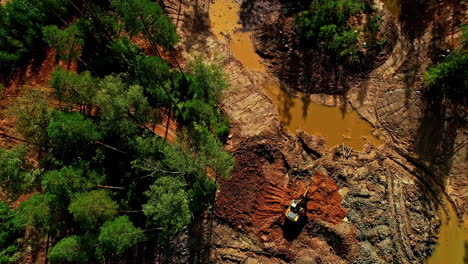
point(22, 198)
point(36, 73)
point(257, 194)
point(167, 128)
point(323, 201)
point(240, 195)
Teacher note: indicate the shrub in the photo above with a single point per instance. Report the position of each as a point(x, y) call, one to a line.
point(325, 25)
point(449, 78)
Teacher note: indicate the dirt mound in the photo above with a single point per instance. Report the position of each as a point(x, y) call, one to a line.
point(323, 201)
point(258, 166)
point(258, 192)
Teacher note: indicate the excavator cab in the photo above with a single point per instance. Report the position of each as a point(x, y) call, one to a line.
point(296, 208)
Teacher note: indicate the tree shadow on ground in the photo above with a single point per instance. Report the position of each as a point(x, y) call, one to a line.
point(465, 259)
point(198, 22)
point(21, 74)
point(339, 243)
point(435, 139)
point(199, 245)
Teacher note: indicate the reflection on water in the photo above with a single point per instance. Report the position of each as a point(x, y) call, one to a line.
point(452, 245)
point(297, 113)
point(330, 122)
point(394, 6)
point(333, 123)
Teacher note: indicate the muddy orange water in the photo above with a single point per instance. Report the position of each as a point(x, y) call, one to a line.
point(394, 6)
point(224, 16)
point(452, 244)
point(336, 126)
point(333, 123)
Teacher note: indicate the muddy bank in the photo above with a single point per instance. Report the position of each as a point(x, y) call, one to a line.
point(295, 64)
point(387, 208)
point(376, 208)
point(390, 93)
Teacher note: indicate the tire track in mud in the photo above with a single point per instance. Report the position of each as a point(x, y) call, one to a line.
point(249, 109)
point(393, 212)
point(391, 106)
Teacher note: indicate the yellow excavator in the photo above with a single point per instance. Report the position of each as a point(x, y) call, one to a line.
point(296, 208)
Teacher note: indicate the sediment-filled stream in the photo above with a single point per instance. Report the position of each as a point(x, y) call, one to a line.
point(452, 244)
point(296, 112)
point(336, 125)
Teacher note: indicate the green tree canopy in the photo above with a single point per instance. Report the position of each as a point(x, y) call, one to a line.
point(210, 151)
point(69, 250)
point(10, 231)
point(167, 206)
point(207, 81)
point(66, 42)
point(92, 208)
point(32, 115)
point(15, 176)
point(449, 78)
point(122, 108)
point(152, 73)
point(69, 180)
point(101, 125)
point(71, 134)
point(325, 25)
point(73, 88)
point(124, 57)
point(146, 17)
point(20, 29)
point(38, 211)
point(118, 235)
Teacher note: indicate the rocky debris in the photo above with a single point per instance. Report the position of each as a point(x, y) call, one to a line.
point(386, 208)
point(231, 246)
point(313, 145)
point(385, 213)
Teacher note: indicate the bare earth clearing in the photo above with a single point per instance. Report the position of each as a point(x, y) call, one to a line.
point(390, 195)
